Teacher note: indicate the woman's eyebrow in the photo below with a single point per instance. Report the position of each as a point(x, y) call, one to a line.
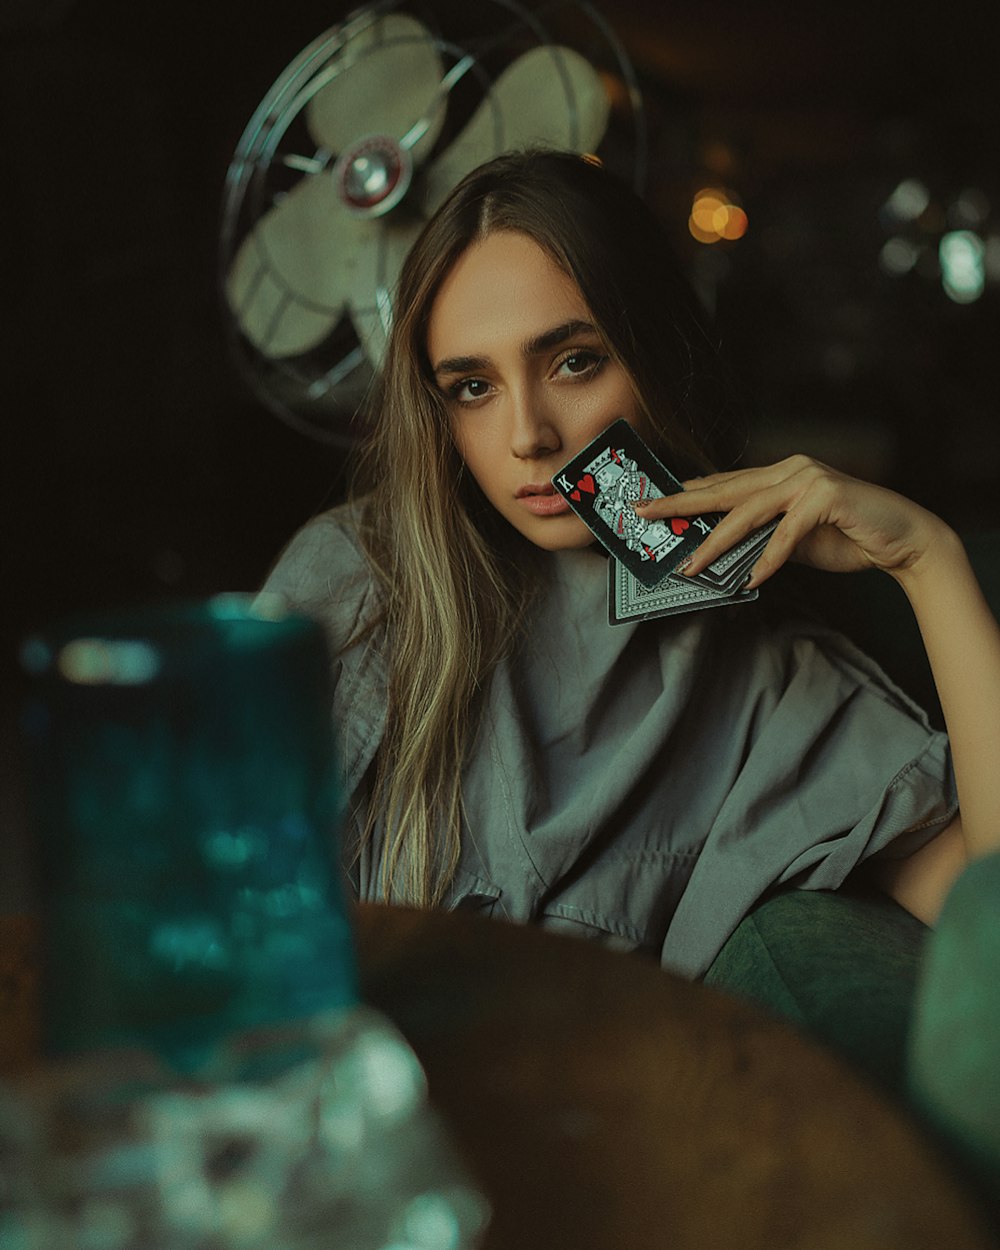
point(558, 334)
point(461, 364)
point(532, 347)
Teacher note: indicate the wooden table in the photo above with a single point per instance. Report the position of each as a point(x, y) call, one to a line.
point(606, 1105)
point(603, 1104)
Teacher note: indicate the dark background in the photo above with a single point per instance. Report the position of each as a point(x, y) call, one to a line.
point(136, 465)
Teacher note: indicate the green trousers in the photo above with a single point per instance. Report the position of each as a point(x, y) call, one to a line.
point(914, 1010)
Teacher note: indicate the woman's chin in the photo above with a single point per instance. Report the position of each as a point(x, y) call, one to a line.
point(562, 533)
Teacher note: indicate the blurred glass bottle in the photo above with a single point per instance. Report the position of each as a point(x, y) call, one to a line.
point(213, 1080)
point(186, 810)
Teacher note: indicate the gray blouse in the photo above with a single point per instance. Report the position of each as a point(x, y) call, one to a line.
point(644, 784)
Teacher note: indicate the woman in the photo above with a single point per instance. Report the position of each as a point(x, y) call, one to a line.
point(503, 746)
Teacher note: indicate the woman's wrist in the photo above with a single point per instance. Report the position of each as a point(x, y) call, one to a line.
point(940, 558)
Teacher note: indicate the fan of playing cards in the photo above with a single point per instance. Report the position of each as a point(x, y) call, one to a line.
point(359, 141)
point(601, 484)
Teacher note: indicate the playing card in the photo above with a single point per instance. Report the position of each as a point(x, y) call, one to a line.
point(602, 482)
point(630, 600)
point(730, 570)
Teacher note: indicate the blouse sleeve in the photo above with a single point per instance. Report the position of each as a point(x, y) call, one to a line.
point(839, 766)
point(323, 573)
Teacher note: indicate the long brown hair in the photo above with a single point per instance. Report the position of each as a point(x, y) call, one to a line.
point(456, 579)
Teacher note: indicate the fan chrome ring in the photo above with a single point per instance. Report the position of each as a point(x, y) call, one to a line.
point(373, 175)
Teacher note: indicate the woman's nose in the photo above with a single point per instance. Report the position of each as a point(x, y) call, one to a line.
point(534, 429)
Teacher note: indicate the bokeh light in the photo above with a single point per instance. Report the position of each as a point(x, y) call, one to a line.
point(963, 272)
point(716, 215)
point(949, 239)
point(907, 202)
point(898, 256)
point(98, 661)
point(969, 209)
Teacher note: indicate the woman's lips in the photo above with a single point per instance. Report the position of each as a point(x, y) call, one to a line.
point(541, 499)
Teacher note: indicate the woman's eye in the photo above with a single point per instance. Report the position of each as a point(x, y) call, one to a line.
point(468, 390)
point(580, 364)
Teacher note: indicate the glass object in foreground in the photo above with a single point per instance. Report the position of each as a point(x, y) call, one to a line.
point(339, 1151)
point(212, 1082)
point(186, 819)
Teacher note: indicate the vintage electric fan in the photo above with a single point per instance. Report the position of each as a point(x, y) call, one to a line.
point(358, 141)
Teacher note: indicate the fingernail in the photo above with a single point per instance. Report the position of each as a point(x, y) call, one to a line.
point(683, 566)
point(641, 503)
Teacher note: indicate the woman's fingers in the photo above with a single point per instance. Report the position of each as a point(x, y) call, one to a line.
point(737, 524)
point(722, 492)
point(811, 501)
point(779, 549)
point(749, 498)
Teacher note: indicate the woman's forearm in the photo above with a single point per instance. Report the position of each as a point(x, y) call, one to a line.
point(962, 640)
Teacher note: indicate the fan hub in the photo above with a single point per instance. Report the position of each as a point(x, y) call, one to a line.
point(373, 175)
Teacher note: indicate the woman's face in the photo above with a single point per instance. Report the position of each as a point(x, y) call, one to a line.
point(527, 380)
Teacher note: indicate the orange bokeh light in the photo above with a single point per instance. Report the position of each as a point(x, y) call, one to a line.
point(735, 226)
point(703, 236)
point(714, 216)
point(704, 211)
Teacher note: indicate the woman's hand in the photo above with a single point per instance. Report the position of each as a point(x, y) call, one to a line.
point(828, 520)
point(835, 522)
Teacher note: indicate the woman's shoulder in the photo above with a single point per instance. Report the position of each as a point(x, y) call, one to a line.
point(324, 573)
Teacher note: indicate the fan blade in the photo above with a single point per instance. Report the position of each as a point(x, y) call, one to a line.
point(550, 97)
point(376, 271)
point(290, 281)
point(383, 81)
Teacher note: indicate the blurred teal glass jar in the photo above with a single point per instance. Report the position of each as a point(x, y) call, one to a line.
point(186, 807)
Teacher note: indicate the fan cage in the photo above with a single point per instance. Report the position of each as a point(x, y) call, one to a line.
point(322, 393)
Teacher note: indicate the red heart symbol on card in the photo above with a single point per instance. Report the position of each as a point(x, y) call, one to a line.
point(575, 496)
point(679, 525)
point(587, 483)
